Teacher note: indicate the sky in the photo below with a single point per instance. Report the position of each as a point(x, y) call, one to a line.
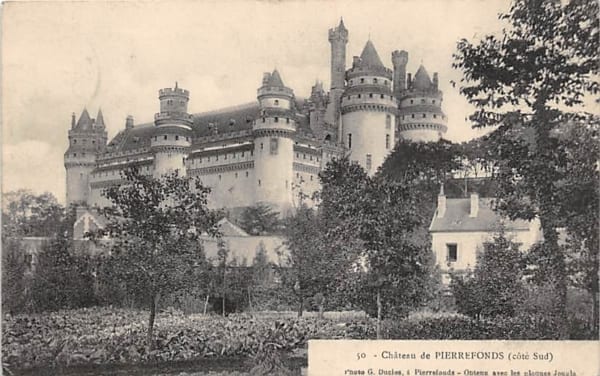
point(59, 57)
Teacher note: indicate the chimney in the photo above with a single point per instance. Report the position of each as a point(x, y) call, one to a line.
point(266, 77)
point(129, 122)
point(435, 81)
point(441, 206)
point(474, 205)
point(73, 120)
point(409, 81)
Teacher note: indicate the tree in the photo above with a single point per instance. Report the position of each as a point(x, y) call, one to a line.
point(62, 280)
point(259, 219)
point(496, 286)
point(154, 224)
point(527, 82)
point(14, 282)
point(27, 214)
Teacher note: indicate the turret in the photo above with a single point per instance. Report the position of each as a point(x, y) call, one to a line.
point(338, 38)
point(368, 110)
point(273, 131)
point(87, 139)
point(399, 60)
point(173, 131)
point(420, 109)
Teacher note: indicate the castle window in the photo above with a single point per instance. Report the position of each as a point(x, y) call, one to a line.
point(263, 120)
point(434, 116)
point(286, 184)
point(297, 175)
point(382, 96)
point(74, 141)
point(242, 154)
point(369, 162)
point(370, 95)
point(311, 178)
point(411, 101)
point(251, 152)
point(433, 101)
point(412, 116)
point(259, 182)
point(424, 115)
point(74, 154)
point(155, 138)
point(233, 156)
point(451, 252)
point(276, 119)
point(93, 141)
point(388, 121)
point(276, 102)
point(236, 175)
point(351, 81)
point(217, 157)
point(349, 140)
point(349, 97)
point(287, 120)
point(273, 145)
point(297, 155)
point(387, 141)
point(246, 173)
point(304, 156)
point(225, 157)
point(176, 138)
point(208, 159)
point(219, 177)
point(362, 80)
point(187, 138)
point(165, 137)
point(310, 157)
point(422, 101)
point(385, 82)
point(261, 146)
point(374, 80)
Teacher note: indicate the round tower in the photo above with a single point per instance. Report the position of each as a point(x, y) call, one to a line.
point(273, 131)
point(368, 110)
point(87, 139)
point(172, 136)
point(420, 111)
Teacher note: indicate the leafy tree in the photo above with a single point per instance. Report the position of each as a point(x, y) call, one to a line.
point(62, 280)
point(14, 281)
point(27, 214)
point(259, 219)
point(155, 224)
point(496, 286)
point(528, 81)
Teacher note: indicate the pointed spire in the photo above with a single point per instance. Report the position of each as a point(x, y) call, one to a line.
point(422, 80)
point(369, 56)
point(275, 79)
point(341, 26)
point(100, 119)
point(84, 122)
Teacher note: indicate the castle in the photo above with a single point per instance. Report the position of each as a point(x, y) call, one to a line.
point(270, 150)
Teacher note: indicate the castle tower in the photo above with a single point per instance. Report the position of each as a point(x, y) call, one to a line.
point(368, 110)
point(338, 38)
point(420, 110)
point(317, 106)
point(399, 60)
point(172, 137)
point(273, 145)
point(87, 139)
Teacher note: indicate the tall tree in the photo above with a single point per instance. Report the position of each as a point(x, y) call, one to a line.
point(155, 224)
point(527, 81)
point(28, 214)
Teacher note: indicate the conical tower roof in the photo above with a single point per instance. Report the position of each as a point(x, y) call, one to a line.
point(100, 119)
point(369, 56)
point(341, 26)
point(422, 80)
point(84, 122)
point(275, 79)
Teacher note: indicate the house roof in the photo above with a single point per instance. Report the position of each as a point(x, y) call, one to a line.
point(230, 229)
point(457, 219)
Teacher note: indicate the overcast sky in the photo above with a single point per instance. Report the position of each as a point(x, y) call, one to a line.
point(60, 57)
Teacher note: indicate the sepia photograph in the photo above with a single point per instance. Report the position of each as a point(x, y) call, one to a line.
point(238, 187)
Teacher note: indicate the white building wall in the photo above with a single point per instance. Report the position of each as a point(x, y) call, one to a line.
point(273, 165)
point(421, 135)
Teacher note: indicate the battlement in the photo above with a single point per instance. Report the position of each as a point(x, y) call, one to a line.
point(166, 117)
point(335, 34)
point(358, 71)
point(399, 57)
point(173, 92)
point(275, 91)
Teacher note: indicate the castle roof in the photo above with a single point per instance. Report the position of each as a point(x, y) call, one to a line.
point(100, 119)
point(341, 26)
point(84, 122)
point(457, 219)
point(369, 57)
point(229, 120)
point(275, 79)
point(422, 80)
